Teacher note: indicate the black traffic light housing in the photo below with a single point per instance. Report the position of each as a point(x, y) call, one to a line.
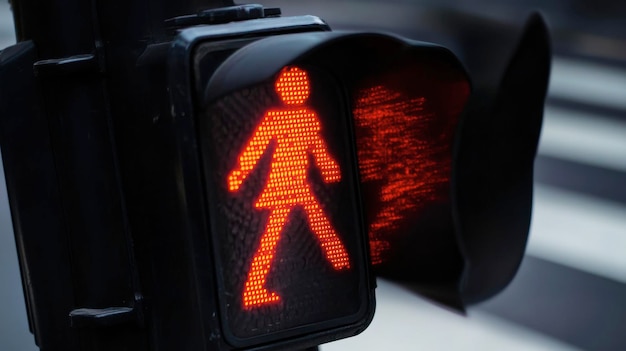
point(209, 66)
point(208, 146)
point(106, 140)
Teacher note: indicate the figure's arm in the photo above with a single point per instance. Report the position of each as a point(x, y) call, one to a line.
point(250, 156)
point(325, 162)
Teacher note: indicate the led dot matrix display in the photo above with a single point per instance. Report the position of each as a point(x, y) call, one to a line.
point(288, 228)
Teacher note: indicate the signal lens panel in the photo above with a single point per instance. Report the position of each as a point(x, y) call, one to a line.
point(405, 121)
point(281, 171)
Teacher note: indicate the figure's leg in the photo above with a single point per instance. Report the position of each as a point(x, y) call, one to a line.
point(331, 244)
point(254, 293)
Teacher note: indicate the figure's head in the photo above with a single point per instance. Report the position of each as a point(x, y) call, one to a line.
point(292, 85)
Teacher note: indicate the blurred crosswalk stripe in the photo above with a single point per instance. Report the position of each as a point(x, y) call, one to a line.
point(406, 322)
point(582, 137)
point(587, 82)
point(580, 231)
point(586, 231)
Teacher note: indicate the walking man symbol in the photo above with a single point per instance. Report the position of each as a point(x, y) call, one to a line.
point(296, 131)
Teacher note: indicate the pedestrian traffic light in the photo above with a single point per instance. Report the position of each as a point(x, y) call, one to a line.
point(286, 127)
point(225, 179)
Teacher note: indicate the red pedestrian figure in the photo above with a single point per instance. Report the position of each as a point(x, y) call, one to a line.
point(296, 131)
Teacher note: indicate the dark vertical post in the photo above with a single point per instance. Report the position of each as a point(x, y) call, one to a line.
point(101, 136)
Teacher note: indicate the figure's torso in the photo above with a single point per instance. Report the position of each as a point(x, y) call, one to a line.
point(287, 182)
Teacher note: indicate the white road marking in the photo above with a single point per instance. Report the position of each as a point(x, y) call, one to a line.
point(579, 231)
point(405, 321)
point(583, 137)
point(590, 83)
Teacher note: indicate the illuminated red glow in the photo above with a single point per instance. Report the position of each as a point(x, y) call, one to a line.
point(389, 154)
point(296, 131)
point(293, 86)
